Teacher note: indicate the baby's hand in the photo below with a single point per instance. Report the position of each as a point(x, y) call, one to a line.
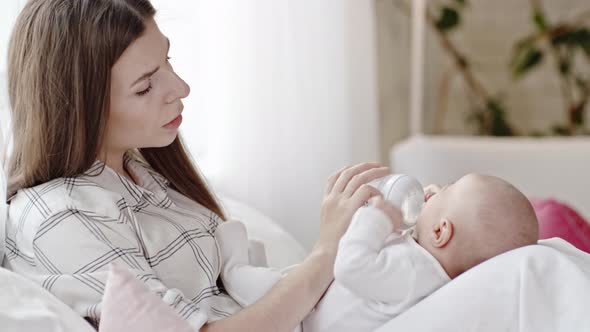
point(391, 211)
point(430, 191)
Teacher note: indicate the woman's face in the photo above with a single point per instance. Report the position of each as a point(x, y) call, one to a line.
point(146, 95)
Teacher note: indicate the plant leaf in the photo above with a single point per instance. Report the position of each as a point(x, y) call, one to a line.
point(577, 113)
point(537, 133)
point(565, 67)
point(540, 21)
point(449, 19)
point(575, 37)
point(525, 57)
point(561, 130)
point(491, 119)
point(584, 41)
point(461, 3)
point(498, 125)
point(582, 83)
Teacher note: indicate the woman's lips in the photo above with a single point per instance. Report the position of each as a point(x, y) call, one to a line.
point(175, 123)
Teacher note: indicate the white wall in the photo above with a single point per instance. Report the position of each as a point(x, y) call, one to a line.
point(393, 53)
point(490, 30)
point(8, 12)
point(283, 94)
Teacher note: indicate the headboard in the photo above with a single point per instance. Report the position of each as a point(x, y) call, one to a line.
point(540, 167)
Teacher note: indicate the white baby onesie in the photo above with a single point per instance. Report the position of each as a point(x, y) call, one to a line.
point(378, 275)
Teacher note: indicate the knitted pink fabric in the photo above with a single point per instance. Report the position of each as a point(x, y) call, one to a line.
point(129, 306)
point(557, 219)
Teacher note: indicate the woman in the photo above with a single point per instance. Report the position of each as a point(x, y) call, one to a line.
point(99, 173)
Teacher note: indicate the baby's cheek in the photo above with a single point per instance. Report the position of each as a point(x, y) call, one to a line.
point(418, 229)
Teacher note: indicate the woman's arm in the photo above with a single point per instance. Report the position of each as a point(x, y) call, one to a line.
point(292, 298)
point(288, 302)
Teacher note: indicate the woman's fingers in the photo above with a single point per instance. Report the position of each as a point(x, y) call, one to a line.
point(332, 179)
point(350, 172)
point(364, 178)
point(338, 208)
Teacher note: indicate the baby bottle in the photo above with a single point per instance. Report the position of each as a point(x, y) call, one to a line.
point(405, 192)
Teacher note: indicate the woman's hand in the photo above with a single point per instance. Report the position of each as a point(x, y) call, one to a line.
point(346, 191)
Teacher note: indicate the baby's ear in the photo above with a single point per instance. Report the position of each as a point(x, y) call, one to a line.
point(442, 233)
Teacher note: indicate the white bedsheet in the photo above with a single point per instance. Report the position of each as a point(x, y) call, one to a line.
point(538, 288)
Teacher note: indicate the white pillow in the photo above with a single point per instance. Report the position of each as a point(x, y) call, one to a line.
point(537, 288)
point(26, 306)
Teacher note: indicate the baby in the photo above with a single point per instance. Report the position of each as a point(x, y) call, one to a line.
point(380, 272)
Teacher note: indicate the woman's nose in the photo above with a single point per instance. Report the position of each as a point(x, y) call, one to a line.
point(180, 89)
point(185, 89)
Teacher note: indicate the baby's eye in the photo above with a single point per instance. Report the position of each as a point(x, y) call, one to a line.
point(428, 195)
point(430, 191)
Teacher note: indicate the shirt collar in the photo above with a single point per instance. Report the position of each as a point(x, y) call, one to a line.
point(150, 184)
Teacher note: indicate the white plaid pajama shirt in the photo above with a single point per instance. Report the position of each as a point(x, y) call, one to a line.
point(64, 234)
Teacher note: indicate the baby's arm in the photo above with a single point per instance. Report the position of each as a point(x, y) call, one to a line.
point(244, 282)
point(367, 269)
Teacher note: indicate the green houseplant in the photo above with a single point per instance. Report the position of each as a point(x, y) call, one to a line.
point(565, 43)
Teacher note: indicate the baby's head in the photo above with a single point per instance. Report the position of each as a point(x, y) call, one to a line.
point(474, 219)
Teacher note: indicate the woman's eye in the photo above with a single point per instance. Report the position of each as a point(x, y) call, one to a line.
point(143, 92)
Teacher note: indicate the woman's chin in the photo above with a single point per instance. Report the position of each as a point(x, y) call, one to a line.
point(163, 142)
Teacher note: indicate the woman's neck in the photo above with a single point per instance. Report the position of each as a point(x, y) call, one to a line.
point(115, 161)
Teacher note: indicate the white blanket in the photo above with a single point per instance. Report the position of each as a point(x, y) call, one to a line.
point(538, 288)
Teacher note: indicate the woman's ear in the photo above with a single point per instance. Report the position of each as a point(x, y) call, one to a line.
point(442, 233)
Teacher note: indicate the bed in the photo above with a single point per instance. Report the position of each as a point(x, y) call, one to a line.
point(545, 287)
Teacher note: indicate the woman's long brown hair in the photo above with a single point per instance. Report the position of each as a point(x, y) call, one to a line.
point(60, 58)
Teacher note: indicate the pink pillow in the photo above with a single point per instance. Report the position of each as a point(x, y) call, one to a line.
point(128, 305)
point(557, 219)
